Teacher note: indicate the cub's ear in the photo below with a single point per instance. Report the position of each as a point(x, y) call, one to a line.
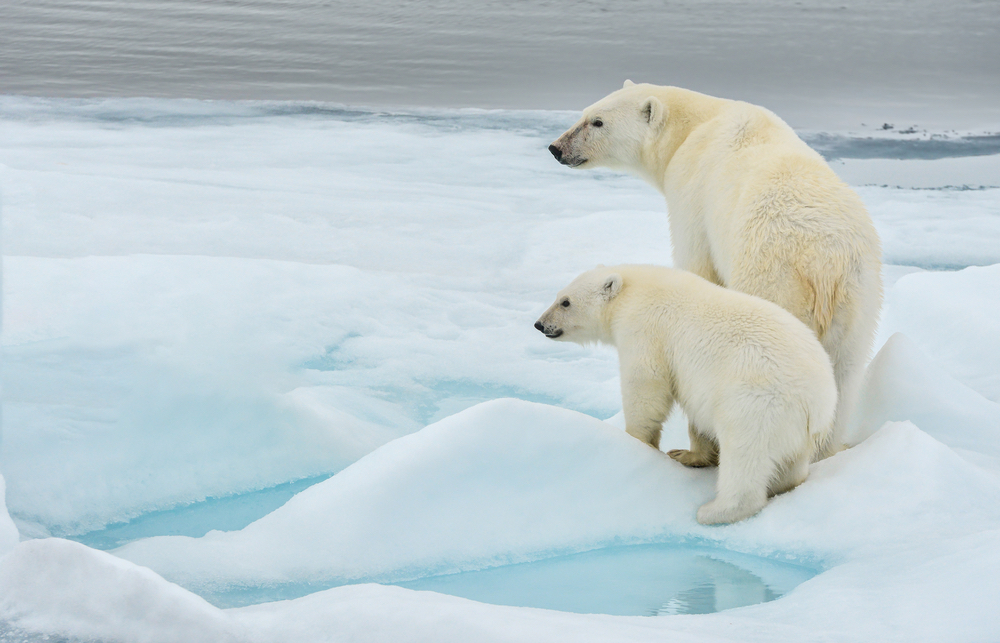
point(628, 83)
point(654, 111)
point(612, 286)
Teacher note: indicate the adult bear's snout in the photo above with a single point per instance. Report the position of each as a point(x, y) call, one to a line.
point(538, 325)
point(556, 152)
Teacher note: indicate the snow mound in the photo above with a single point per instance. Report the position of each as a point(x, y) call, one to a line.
point(897, 489)
point(61, 587)
point(908, 521)
point(511, 481)
point(952, 316)
point(8, 531)
point(117, 402)
point(904, 384)
point(506, 481)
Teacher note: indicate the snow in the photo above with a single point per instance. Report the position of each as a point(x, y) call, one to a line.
point(912, 523)
point(966, 345)
point(936, 229)
point(506, 481)
point(56, 585)
point(8, 531)
point(204, 300)
point(903, 383)
point(967, 172)
point(548, 481)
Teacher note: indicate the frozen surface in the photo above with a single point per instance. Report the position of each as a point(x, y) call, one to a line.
point(551, 481)
point(210, 308)
point(205, 299)
point(527, 500)
point(963, 173)
point(954, 317)
point(910, 524)
point(936, 229)
point(288, 310)
point(226, 513)
point(62, 586)
point(903, 383)
point(8, 532)
point(637, 580)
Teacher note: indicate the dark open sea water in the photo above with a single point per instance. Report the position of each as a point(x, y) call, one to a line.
point(811, 60)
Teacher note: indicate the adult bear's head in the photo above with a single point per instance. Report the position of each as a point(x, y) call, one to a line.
point(579, 312)
point(614, 130)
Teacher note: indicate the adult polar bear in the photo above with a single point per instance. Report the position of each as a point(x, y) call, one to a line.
point(752, 208)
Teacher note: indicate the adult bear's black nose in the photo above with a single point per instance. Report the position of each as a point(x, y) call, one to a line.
point(539, 326)
point(556, 152)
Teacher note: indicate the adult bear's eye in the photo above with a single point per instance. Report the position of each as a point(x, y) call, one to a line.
point(598, 123)
point(565, 303)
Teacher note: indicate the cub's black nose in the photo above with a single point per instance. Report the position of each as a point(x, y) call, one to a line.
point(539, 326)
point(556, 152)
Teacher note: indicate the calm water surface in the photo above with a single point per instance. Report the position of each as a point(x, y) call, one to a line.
point(805, 56)
point(635, 580)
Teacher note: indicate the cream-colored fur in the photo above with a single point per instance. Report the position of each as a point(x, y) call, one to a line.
point(755, 382)
point(752, 208)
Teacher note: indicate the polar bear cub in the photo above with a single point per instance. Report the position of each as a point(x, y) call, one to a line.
point(752, 378)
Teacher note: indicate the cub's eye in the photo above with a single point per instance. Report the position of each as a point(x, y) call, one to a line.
point(565, 303)
point(598, 123)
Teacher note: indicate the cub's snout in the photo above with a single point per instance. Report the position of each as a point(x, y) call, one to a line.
point(549, 332)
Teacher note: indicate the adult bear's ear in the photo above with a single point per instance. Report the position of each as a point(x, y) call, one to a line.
point(628, 83)
point(654, 111)
point(612, 286)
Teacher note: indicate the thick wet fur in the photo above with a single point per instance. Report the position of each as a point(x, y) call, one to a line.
point(752, 208)
point(755, 382)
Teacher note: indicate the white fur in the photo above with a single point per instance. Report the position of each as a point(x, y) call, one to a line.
point(754, 380)
point(752, 208)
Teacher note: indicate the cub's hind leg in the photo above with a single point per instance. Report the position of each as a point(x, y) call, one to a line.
point(790, 476)
point(742, 487)
point(750, 449)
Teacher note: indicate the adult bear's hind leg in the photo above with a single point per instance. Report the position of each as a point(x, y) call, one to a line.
point(849, 344)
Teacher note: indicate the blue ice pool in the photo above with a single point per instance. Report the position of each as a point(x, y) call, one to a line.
point(637, 580)
point(640, 580)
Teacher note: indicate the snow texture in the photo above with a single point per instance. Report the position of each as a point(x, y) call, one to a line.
point(204, 300)
point(912, 523)
point(8, 531)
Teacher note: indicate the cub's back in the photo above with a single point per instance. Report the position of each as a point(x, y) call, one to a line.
point(705, 324)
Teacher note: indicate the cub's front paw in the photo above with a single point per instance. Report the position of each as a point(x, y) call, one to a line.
point(692, 459)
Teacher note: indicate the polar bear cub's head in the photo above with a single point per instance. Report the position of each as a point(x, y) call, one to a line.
point(578, 314)
point(612, 131)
